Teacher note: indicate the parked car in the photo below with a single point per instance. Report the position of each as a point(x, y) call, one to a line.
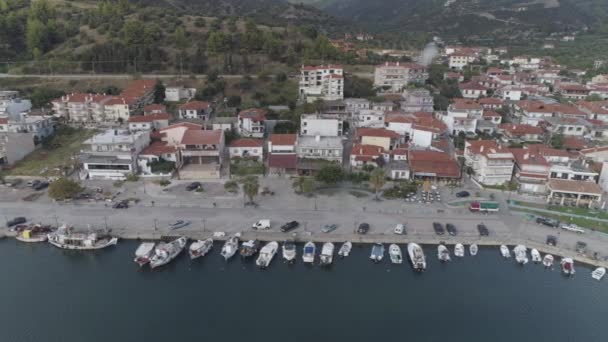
point(40, 186)
point(193, 186)
point(438, 227)
point(483, 230)
point(547, 221)
point(328, 228)
point(572, 228)
point(461, 194)
point(363, 228)
point(261, 224)
point(121, 205)
point(32, 183)
point(551, 240)
point(179, 224)
point(16, 221)
point(399, 229)
point(291, 225)
point(451, 229)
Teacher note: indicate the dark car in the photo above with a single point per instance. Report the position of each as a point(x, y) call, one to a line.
point(551, 240)
point(547, 221)
point(438, 227)
point(40, 186)
point(193, 186)
point(363, 228)
point(16, 221)
point(121, 205)
point(461, 194)
point(289, 226)
point(451, 229)
point(483, 230)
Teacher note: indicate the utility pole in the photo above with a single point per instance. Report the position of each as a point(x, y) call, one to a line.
point(155, 227)
point(105, 221)
point(56, 221)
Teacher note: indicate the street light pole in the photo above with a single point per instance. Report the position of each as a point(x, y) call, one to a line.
point(105, 220)
point(155, 227)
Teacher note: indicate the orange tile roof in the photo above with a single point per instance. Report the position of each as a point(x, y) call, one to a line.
point(200, 137)
point(158, 148)
point(195, 105)
point(433, 162)
point(150, 118)
point(188, 125)
point(283, 139)
point(521, 129)
point(465, 104)
point(247, 142)
point(366, 150)
point(255, 114)
point(377, 132)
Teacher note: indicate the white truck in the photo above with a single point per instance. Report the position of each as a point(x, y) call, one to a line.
point(262, 224)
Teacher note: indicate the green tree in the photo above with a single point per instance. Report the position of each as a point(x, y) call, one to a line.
point(180, 39)
point(217, 43)
point(251, 187)
point(159, 92)
point(377, 179)
point(64, 188)
point(557, 141)
point(330, 174)
point(231, 186)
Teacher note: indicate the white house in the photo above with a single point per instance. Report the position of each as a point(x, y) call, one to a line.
point(195, 110)
point(320, 124)
point(152, 122)
point(251, 122)
point(472, 90)
point(324, 82)
point(179, 93)
point(247, 148)
point(491, 163)
point(317, 147)
point(459, 61)
point(153, 160)
point(397, 75)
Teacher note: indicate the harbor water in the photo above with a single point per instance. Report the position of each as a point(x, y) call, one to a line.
point(52, 295)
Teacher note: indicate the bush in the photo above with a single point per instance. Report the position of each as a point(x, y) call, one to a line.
point(231, 186)
point(132, 178)
point(118, 184)
point(64, 188)
point(330, 174)
point(164, 182)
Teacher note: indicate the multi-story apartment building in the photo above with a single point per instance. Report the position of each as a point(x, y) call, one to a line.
point(324, 82)
point(396, 76)
point(491, 163)
point(317, 147)
point(417, 100)
point(324, 125)
point(251, 122)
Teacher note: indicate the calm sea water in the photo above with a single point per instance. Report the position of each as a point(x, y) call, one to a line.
point(53, 295)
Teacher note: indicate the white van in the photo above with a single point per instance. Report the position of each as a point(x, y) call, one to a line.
point(399, 229)
point(262, 224)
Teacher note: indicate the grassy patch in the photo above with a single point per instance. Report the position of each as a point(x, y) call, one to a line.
point(581, 222)
point(358, 194)
point(55, 155)
point(566, 210)
point(244, 167)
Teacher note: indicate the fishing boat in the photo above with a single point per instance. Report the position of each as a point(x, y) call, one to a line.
point(143, 253)
point(521, 255)
point(504, 251)
point(66, 239)
point(416, 256)
point(200, 248)
point(459, 250)
point(548, 260)
point(230, 247)
point(249, 248)
point(443, 253)
point(394, 252)
point(536, 258)
point(473, 249)
point(267, 254)
point(598, 273)
point(165, 252)
point(377, 253)
point(308, 255)
point(37, 233)
point(568, 266)
point(289, 251)
point(345, 249)
point(327, 253)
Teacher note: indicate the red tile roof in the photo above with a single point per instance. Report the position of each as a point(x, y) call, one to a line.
point(283, 139)
point(156, 107)
point(200, 137)
point(320, 67)
point(158, 148)
point(247, 142)
point(377, 132)
point(520, 129)
point(465, 104)
point(573, 143)
point(366, 150)
point(430, 124)
point(188, 125)
point(398, 118)
point(195, 105)
point(3, 121)
point(488, 148)
point(490, 101)
point(527, 157)
point(138, 88)
point(489, 113)
point(283, 161)
point(150, 118)
point(434, 163)
point(472, 86)
point(255, 114)
point(594, 149)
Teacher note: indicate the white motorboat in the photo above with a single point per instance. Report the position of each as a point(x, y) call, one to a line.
point(200, 248)
point(548, 260)
point(289, 251)
point(230, 247)
point(521, 254)
point(63, 238)
point(568, 266)
point(267, 254)
point(504, 251)
point(598, 273)
point(443, 253)
point(394, 252)
point(536, 258)
point(165, 252)
point(327, 253)
point(459, 250)
point(473, 249)
point(416, 256)
point(308, 255)
point(345, 249)
point(377, 253)
point(249, 248)
point(143, 253)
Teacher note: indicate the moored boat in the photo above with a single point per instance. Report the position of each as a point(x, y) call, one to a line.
point(536, 258)
point(165, 252)
point(308, 255)
point(598, 273)
point(548, 260)
point(230, 247)
point(345, 249)
point(459, 250)
point(200, 248)
point(289, 251)
point(568, 266)
point(394, 252)
point(443, 253)
point(64, 238)
point(267, 254)
point(377, 253)
point(28, 235)
point(327, 253)
point(249, 248)
point(143, 253)
point(504, 251)
point(521, 255)
point(416, 256)
point(473, 249)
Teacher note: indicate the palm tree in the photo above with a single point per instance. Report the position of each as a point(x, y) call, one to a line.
point(378, 180)
point(251, 187)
